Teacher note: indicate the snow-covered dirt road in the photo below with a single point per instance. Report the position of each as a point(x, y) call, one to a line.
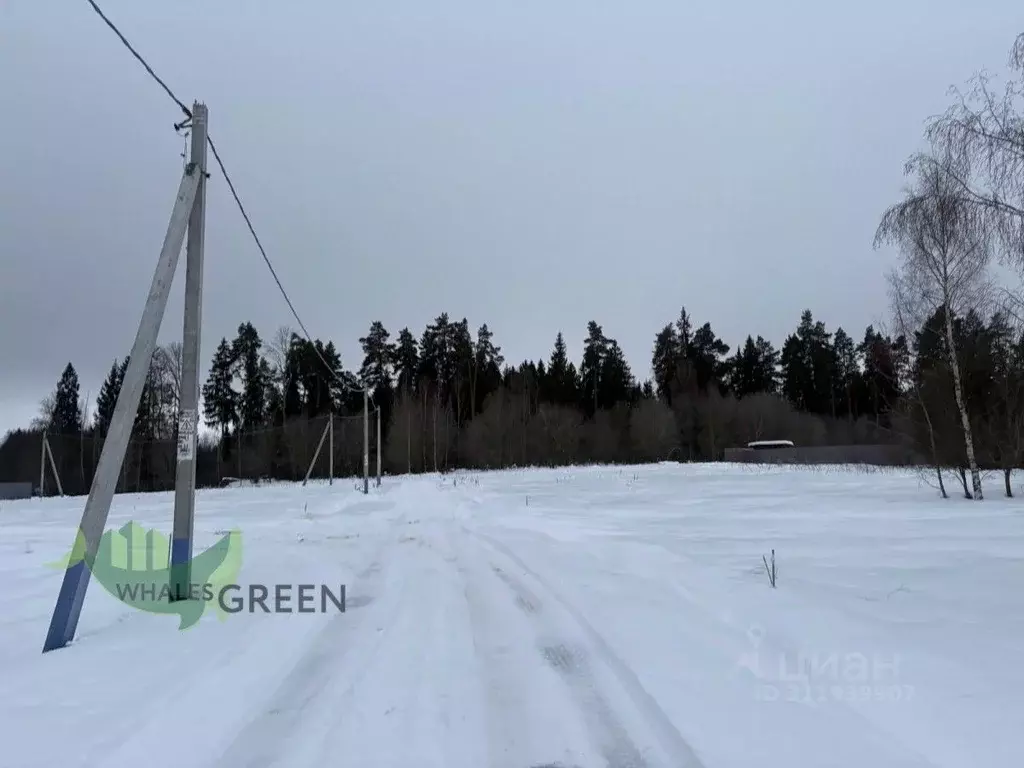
point(457, 656)
point(595, 618)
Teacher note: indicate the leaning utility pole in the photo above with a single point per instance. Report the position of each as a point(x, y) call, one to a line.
point(42, 467)
point(48, 454)
point(188, 405)
point(328, 430)
point(68, 608)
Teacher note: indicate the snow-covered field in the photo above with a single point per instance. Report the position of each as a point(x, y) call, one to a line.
point(584, 617)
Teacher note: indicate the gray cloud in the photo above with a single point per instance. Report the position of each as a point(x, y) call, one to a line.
point(530, 165)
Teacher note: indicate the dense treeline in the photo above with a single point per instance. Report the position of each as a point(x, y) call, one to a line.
point(945, 382)
point(449, 399)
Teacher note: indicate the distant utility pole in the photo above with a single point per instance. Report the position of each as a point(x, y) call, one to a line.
point(48, 454)
point(366, 439)
point(188, 215)
point(378, 446)
point(328, 430)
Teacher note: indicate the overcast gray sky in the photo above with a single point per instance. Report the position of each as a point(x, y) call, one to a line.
point(532, 165)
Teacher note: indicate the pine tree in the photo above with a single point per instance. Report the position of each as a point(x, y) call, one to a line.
point(436, 354)
point(705, 354)
point(377, 370)
point(273, 401)
point(808, 367)
point(337, 387)
point(378, 357)
point(684, 333)
point(292, 377)
point(664, 361)
point(487, 362)
point(407, 361)
point(766, 371)
point(463, 357)
point(595, 350)
point(847, 373)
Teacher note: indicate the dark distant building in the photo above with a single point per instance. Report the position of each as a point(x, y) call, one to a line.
point(16, 490)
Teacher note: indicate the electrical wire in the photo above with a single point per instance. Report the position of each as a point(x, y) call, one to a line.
point(142, 61)
point(347, 385)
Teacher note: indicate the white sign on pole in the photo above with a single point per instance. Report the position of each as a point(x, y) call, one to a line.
point(187, 435)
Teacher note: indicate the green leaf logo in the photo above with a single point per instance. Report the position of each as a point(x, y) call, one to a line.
point(133, 565)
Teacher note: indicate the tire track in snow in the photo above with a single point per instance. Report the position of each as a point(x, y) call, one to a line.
point(617, 747)
point(416, 701)
point(264, 740)
point(571, 663)
point(530, 719)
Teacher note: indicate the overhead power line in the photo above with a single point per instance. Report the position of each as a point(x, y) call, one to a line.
point(348, 385)
point(142, 61)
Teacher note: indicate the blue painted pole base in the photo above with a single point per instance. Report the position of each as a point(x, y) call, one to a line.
point(69, 606)
point(181, 569)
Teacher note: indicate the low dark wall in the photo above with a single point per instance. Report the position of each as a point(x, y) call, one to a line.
point(883, 455)
point(15, 490)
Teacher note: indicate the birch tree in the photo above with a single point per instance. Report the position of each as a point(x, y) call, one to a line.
point(980, 139)
point(945, 245)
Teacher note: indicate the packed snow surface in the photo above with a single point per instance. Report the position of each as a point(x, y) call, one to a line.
point(592, 617)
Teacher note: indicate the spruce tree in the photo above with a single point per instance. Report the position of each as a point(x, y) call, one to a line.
point(67, 410)
point(220, 401)
point(562, 375)
point(106, 400)
point(249, 369)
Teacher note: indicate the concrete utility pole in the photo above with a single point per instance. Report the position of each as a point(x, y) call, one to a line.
point(68, 609)
point(328, 430)
point(366, 439)
point(53, 465)
point(42, 467)
point(378, 446)
point(188, 406)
